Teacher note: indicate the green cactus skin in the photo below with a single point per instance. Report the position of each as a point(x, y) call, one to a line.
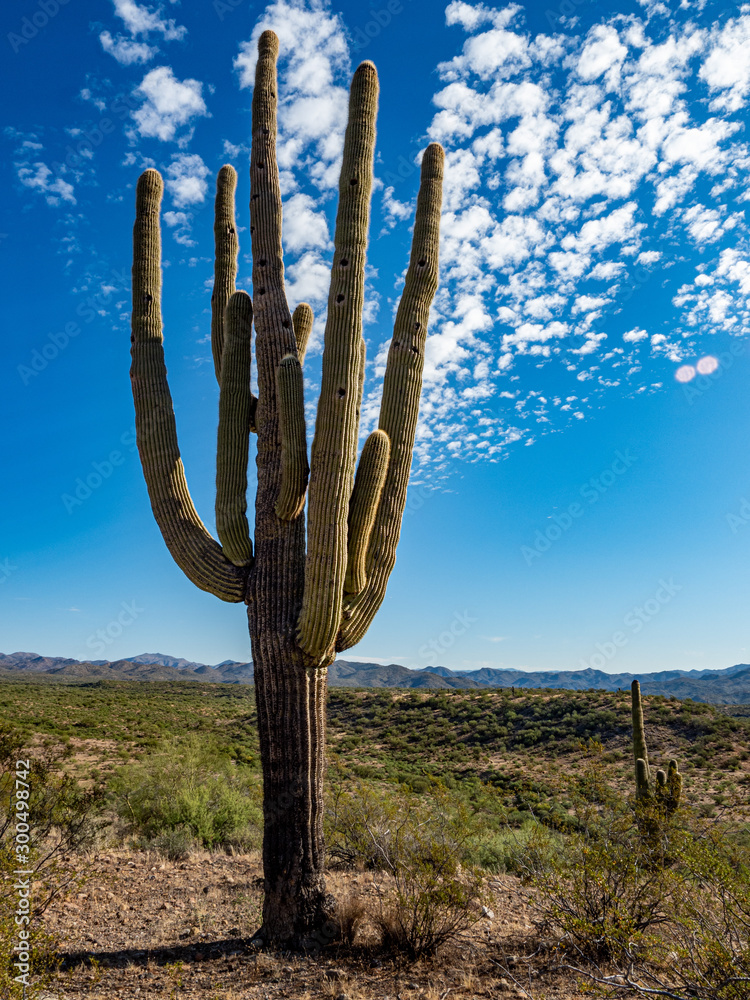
point(294, 467)
point(298, 610)
point(363, 507)
point(192, 548)
point(667, 788)
point(225, 262)
point(232, 447)
point(334, 447)
point(639, 733)
point(302, 320)
point(399, 408)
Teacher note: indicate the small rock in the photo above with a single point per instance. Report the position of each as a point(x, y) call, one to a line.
point(334, 974)
point(376, 964)
point(288, 969)
point(185, 934)
point(486, 912)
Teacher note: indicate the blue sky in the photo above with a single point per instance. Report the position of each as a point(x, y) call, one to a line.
point(581, 485)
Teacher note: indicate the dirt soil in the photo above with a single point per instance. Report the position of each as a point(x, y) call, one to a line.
point(145, 927)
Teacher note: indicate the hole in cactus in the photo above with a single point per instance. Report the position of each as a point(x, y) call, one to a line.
point(414, 349)
point(286, 324)
point(265, 131)
point(252, 229)
point(343, 262)
point(396, 343)
point(422, 262)
point(260, 164)
point(255, 197)
point(341, 393)
point(231, 230)
point(353, 182)
point(261, 291)
point(262, 263)
point(417, 326)
point(339, 298)
point(148, 298)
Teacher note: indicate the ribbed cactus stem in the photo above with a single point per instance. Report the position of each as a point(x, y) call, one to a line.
point(402, 387)
point(334, 449)
point(294, 467)
point(661, 778)
point(674, 787)
point(639, 733)
point(232, 444)
point(191, 546)
point(302, 319)
point(363, 507)
point(642, 783)
point(225, 264)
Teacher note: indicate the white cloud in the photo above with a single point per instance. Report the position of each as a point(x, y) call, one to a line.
point(139, 20)
point(169, 105)
point(186, 179)
point(39, 177)
point(303, 227)
point(727, 65)
point(126, 51)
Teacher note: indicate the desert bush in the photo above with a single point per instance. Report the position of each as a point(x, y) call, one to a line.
point(187, 796)
point(60, 818)
point(422, 841)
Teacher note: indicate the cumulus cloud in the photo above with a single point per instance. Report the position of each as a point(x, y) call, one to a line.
point(186, 179)
point(140, 20)
point(126, 51)
point(169, 105)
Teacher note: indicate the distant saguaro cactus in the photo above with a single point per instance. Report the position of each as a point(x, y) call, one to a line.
point(304, 603)
point(667, 789)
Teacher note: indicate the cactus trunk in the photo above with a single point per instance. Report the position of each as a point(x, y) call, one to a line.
point(300, 608)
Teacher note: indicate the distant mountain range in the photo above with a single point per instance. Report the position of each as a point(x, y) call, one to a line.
point(730, 686)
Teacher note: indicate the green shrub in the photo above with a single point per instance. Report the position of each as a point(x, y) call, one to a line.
point(59, 816)
point(186, 797)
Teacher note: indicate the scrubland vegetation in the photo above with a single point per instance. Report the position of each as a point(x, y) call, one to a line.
point(438, 791)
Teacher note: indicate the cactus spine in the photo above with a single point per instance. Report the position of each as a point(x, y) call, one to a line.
point(666, 790)
point(304, 603)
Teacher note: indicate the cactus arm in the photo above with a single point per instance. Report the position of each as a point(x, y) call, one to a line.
point(674, 787)
point(225, 262)
point(191, 546)
point(642, 782)
point(232, 444)
point(334, 449)
point(400, 405)
point(273, 321)
point(363, 507)
point(639, 733)
point(302, 320)
point(294, 467)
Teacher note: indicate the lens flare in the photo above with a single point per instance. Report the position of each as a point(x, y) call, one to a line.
point(707, 365)
point(685, 373)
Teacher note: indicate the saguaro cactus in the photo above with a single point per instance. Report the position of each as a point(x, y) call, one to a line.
point(305, 602)
point(667, 788)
